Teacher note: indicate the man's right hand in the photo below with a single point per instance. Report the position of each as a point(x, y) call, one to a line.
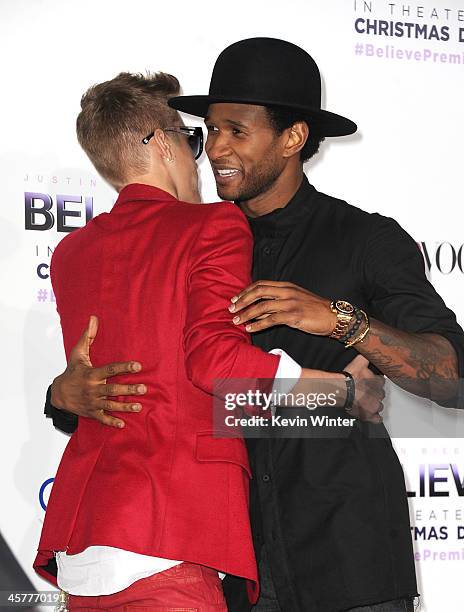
point(83, 389)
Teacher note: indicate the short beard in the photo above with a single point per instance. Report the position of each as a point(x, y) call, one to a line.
point(261, 180)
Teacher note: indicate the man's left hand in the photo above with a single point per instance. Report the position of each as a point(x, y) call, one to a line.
point(264, 304)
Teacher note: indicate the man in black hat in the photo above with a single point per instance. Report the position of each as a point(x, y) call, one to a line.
point(330, 515)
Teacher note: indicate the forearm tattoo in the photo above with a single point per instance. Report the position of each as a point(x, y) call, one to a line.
point(424, 364)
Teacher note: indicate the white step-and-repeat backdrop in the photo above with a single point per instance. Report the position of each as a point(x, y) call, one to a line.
point(396, 68)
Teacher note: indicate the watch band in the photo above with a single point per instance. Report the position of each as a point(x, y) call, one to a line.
point(343, 319)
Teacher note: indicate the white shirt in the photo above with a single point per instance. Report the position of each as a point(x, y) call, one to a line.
point(104, 570)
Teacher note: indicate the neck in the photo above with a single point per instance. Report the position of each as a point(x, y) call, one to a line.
point(154, 181)
point(278, 195)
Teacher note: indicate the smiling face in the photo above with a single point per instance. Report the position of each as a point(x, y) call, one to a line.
point(246, 154)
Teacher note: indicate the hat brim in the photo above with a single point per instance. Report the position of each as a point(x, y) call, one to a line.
point(326, 123)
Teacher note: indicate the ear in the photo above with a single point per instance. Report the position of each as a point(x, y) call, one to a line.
point(164, 145)
point(298, 134)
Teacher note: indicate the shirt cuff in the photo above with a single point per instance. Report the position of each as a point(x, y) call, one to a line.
point(288, 372)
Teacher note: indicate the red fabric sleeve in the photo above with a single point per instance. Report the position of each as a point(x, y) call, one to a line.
point(215, 348)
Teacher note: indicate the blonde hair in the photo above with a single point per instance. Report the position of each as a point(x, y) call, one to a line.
point(117, 114)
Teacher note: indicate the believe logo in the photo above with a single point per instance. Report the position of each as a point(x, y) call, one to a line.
point(39, 216)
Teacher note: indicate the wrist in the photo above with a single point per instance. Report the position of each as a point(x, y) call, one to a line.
point(352, 323)
point(332, 320)
point(331, 384)
point(321, 374)
point(359, 331)
point(339, 382)
point(357, 322)
point(55, 394)
point(344, 316)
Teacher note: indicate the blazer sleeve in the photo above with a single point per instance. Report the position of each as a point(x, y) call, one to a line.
point(216, 348)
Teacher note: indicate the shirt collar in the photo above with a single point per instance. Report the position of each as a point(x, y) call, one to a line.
point(282, 220)
point(137, 192)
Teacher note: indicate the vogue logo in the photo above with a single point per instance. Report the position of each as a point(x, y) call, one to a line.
point(443, 256)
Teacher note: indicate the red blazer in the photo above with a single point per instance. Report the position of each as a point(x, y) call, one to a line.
point(159, 273)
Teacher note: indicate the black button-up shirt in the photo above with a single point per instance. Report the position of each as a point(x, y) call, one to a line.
point(333, 513)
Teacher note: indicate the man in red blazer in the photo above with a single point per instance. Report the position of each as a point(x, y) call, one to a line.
point(137, 519)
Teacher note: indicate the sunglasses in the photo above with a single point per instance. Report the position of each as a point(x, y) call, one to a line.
point(194, 137)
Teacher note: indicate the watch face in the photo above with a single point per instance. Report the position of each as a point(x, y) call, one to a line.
point(344, 307)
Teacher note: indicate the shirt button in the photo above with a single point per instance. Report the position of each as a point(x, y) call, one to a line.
point(266, 478)
point(267, 250)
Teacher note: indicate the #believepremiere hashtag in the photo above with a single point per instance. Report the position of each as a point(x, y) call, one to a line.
point(44, 295)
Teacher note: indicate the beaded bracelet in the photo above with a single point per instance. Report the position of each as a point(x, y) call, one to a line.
point(361, 337)
point(358, 320)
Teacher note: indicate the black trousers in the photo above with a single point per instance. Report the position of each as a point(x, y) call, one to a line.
point(268, 599)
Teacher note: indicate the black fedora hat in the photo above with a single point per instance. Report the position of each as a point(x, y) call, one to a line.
point(268, 72)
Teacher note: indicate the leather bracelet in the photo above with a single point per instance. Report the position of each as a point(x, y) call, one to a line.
point(350, 391)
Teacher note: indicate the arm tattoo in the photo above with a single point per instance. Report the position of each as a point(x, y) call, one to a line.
point(423, 363)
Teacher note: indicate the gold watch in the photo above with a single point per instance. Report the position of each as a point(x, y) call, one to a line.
point(345, 312)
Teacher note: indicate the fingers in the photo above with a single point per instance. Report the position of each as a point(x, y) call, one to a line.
point(101, 408)
point(366, 414)
point(109, 420)
point(275, 318)
point(113, 369)
point(112, 390)
point(369, 413)
point(381, 390)
point(262, 316)
point(260, 290)
point(374, 403)
point(80, 351)
point(92, 329)
point(112, 406)
point(84, 391)
point(369, 398)
point(256, 284)
point(372, 393)
point(374, 415)
point(260, 310)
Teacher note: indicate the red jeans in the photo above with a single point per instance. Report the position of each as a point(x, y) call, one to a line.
point(183, 588)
